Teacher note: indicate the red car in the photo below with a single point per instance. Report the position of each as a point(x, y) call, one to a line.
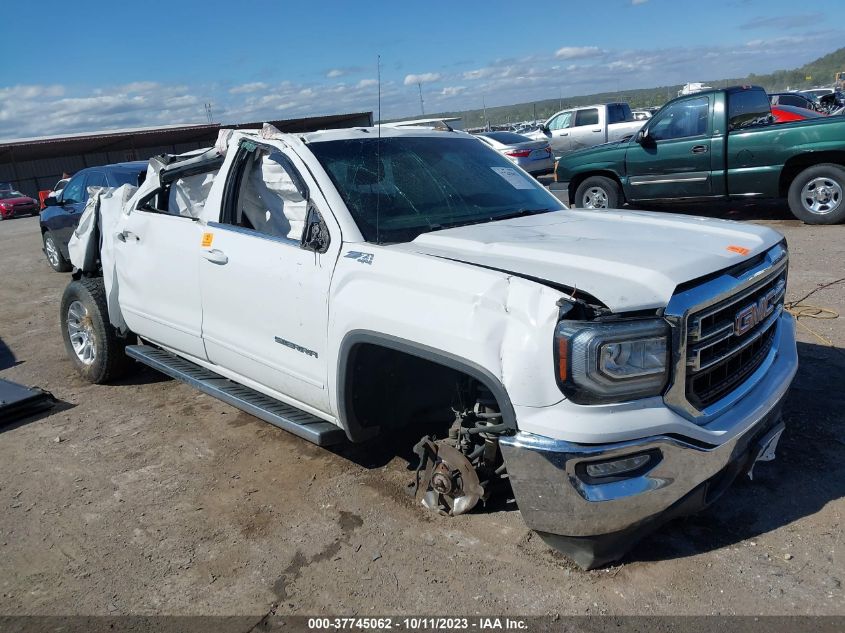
point(785, 113)
point(14, 203)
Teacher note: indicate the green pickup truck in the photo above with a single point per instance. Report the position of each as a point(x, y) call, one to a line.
point(715, 144)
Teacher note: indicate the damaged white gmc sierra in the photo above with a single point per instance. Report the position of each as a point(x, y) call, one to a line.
point(615, 368)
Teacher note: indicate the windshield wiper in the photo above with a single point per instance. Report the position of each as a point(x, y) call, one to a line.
point(519, 213)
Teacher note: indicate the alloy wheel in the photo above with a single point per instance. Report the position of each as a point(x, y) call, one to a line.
point(80, 330)
point(52, 252)
point(594, 198)
point(821, 196)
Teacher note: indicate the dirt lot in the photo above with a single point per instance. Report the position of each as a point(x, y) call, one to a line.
point(147, 497)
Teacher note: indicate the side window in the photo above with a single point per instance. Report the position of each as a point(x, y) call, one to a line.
point(270, 197)
point(681, 119)
point(747, 108)
point(73, 191)
point(589, 116)
point(561, 121)
point(96, 179)
point(618, 113)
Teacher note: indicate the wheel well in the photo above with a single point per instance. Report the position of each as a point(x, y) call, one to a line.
point(796, 164)
point(386, 383)
point(579, 178)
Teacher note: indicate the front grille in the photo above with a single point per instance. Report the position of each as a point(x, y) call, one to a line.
point(727, 342)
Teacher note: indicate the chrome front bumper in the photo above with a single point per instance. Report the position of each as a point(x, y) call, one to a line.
point(597, 522)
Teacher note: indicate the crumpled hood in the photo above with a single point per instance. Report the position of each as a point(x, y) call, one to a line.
point(629, 260)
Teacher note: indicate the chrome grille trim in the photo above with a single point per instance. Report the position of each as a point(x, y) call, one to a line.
point(776, 284)
point(690, 307)
point(694, 360)
point(694, 330)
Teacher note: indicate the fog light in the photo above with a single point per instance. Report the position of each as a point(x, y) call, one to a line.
point(617, 467)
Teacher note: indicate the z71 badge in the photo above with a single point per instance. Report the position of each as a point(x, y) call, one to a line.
point(358, 256)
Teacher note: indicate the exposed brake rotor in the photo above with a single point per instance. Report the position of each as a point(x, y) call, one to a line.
point(446, 480)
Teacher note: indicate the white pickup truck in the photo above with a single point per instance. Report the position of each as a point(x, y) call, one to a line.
point(616, 368)
point(577, 128)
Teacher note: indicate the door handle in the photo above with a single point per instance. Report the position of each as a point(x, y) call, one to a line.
point(124, 235)
point(216, 256)
point(699, 149)
point(598, 130)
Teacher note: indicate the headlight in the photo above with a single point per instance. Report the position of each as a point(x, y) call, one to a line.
point(612, 362)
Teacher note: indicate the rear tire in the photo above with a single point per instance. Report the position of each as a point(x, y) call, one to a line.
point(54, 255)
point(92, 343)
point(598, 192)
point(817, 194)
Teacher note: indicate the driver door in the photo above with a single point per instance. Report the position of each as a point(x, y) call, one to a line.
point(673, 158)
point(265, 293)
point(559, 130)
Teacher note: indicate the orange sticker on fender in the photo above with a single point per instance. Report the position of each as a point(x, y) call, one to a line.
point(739, 249)
point(207, 239)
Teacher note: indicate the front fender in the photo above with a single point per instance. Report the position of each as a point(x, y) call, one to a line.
point(576, 167)
point(496, 327)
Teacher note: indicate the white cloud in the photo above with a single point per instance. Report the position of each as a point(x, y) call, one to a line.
point(334, 73)
point(577, 52)
point(140, 86)
point(478, 73)
point(255, 86)
point(31, 92)
point(638, 2)
point(423, 78)
point(35, 110)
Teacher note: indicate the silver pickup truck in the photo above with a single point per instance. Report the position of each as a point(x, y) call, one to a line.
point(577, 128)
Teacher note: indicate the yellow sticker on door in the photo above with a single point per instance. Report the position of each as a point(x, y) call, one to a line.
point(207, 239)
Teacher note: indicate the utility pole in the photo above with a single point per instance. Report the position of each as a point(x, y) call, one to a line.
point(559, 98)
point(422, 107)
point(208, 113)
point(484, 108)
point(535, 111)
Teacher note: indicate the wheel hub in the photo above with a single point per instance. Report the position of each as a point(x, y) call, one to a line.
point(446, 481)
point(442, 480)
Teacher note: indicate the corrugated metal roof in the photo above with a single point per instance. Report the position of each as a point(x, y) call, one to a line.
point(17, 150)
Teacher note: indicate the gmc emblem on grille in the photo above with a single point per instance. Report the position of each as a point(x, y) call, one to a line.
point(757, 312)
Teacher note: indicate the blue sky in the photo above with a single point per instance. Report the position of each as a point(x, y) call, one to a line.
point(96, 65)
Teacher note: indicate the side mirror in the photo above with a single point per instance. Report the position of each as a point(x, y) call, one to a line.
point(643, 138)
point(545, 129)
point(315, 236)
point(51, 201)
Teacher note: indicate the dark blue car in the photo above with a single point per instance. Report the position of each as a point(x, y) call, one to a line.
point(61, 215)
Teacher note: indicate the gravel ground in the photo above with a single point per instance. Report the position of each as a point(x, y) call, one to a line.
point(147, 497)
